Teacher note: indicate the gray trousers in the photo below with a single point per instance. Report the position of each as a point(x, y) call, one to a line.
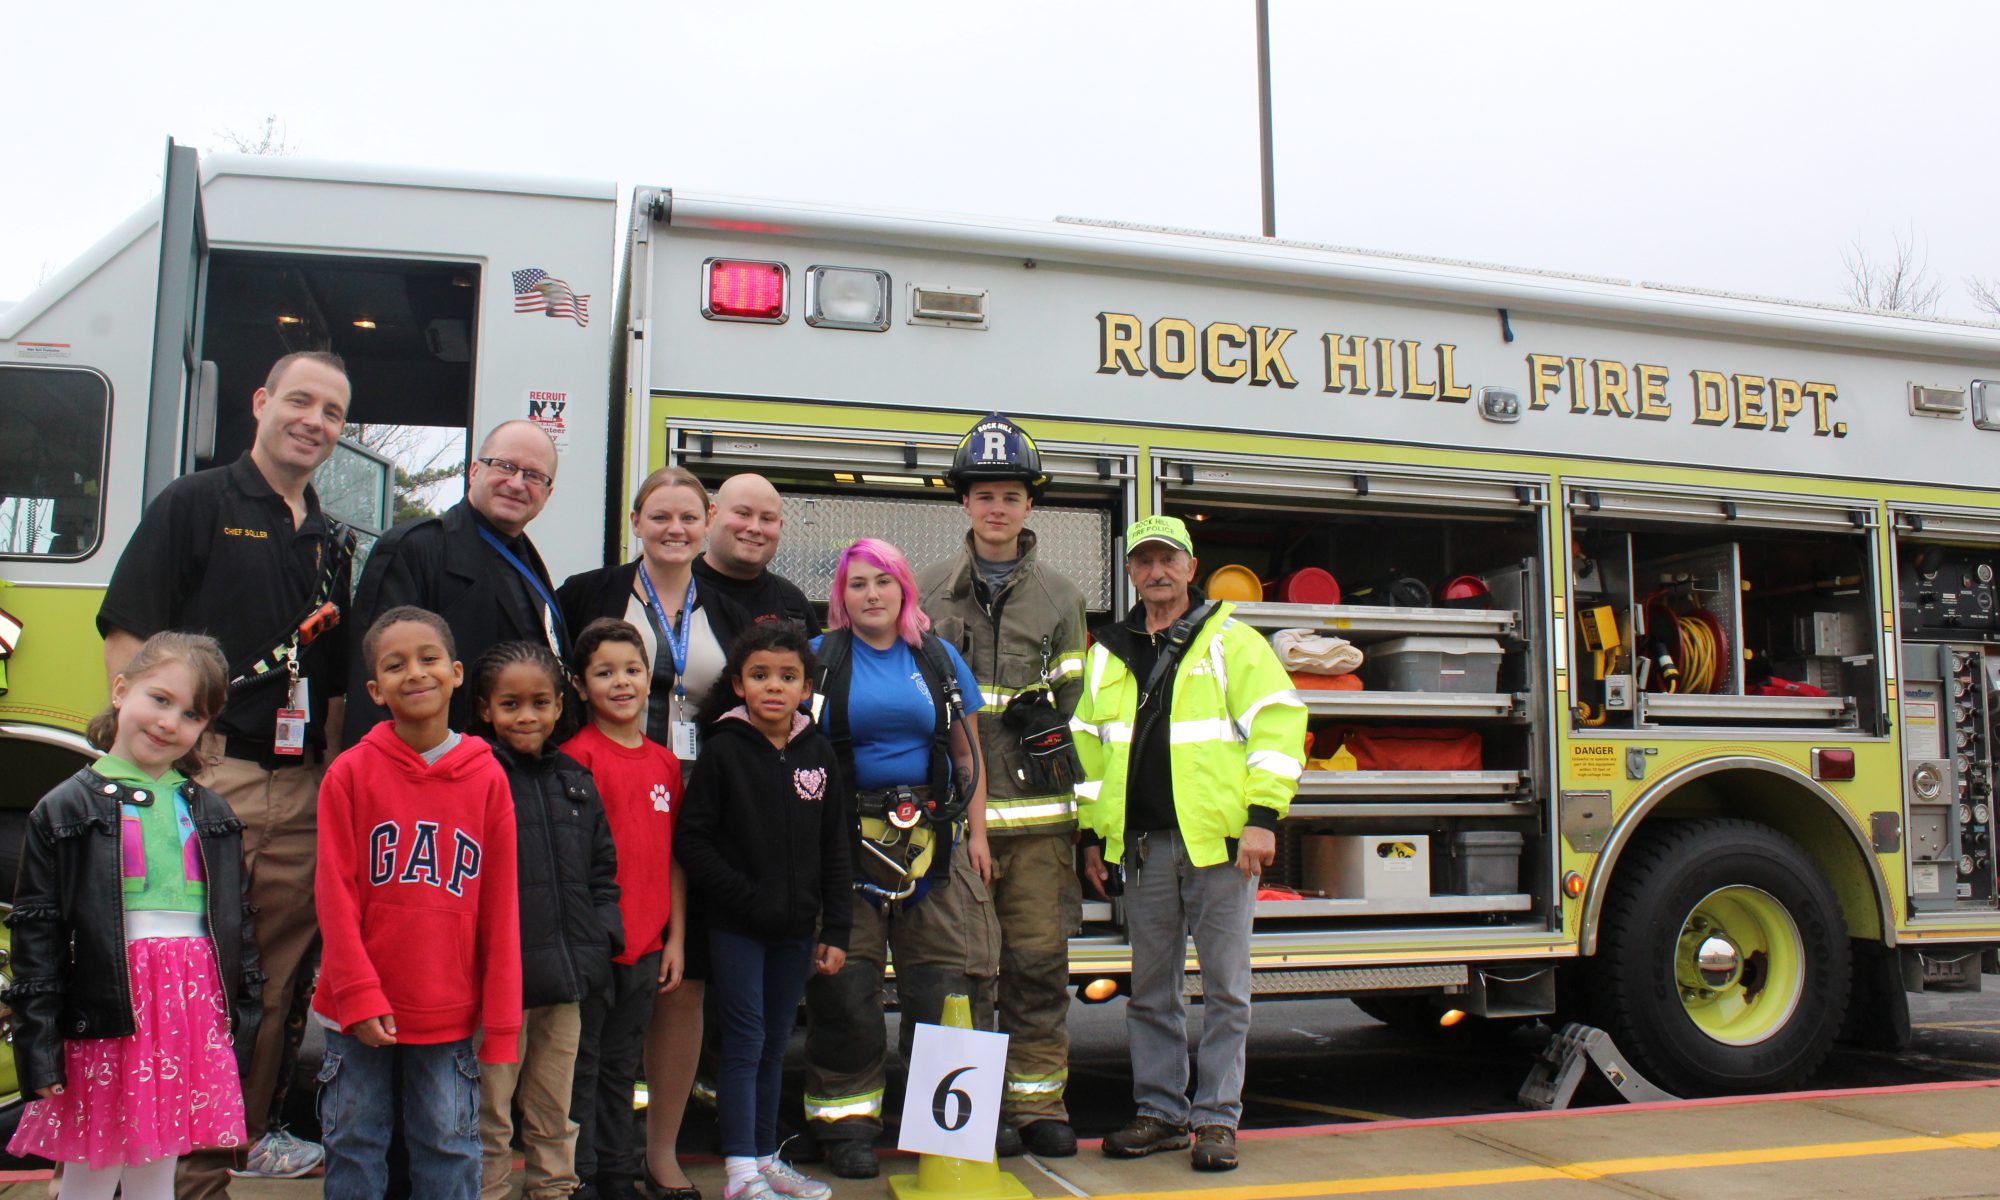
point(1167, 898)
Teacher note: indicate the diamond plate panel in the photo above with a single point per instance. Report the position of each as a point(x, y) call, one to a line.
point(1347, 979)
point(1074, 541)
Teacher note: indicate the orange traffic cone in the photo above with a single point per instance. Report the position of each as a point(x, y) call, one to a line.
point(942, 1178)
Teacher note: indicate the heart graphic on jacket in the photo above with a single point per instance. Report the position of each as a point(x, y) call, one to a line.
point(810, 783)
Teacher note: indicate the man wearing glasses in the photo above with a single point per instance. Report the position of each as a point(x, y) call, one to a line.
point(474, 566)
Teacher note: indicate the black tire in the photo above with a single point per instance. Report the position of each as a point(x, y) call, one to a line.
point(1665, 883)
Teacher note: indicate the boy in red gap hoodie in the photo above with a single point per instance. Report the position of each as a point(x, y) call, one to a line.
point(417, 907)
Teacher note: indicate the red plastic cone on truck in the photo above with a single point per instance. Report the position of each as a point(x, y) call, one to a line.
point(940, 1177)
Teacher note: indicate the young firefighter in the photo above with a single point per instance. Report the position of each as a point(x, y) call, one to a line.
point(570, 926)
point(767, 838)
point(416, 883)
point(1020, 626)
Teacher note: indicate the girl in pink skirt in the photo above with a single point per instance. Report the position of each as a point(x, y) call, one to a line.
point(132, 951)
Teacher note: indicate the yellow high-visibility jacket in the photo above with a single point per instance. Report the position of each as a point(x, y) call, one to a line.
point(1236, 734)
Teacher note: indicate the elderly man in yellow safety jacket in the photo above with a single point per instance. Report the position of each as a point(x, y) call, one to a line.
point(1191, 740)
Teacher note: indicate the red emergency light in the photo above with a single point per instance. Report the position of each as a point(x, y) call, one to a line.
point(745, 290)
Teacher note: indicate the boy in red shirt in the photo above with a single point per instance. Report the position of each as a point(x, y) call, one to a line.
point(417, 906)
point(640, 783)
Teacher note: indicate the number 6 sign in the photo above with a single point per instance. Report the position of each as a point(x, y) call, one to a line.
point(952, 1106)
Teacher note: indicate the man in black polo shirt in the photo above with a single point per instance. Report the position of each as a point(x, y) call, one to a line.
point(474, 566)
point(244, 554)
point(745, 521)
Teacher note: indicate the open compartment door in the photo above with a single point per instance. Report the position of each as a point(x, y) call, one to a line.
point(183, 281)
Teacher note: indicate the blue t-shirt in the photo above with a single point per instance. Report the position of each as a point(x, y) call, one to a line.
point(890, 713)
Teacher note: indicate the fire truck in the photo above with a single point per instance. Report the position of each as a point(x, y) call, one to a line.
point(1674, 610)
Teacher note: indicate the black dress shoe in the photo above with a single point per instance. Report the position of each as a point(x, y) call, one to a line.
point(1049, 1138)
point(655, 1190)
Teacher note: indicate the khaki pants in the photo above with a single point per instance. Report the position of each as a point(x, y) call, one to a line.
point(280, 814)
point(541, 1082)
point(948, 942)
point(1039, 904)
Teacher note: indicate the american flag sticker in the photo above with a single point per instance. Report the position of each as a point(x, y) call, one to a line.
point(535, 290)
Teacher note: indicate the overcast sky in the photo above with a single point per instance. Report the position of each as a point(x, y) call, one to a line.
point(1740, 145)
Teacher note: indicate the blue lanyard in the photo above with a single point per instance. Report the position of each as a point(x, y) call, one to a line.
point(676, 639)
point(556, 628)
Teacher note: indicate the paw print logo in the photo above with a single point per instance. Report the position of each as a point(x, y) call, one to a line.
point(662, 802)
point(810, 784)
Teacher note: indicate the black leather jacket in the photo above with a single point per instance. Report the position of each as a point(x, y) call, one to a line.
point(71, 976)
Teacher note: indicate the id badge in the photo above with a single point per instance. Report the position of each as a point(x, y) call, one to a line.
point(290, 736)
point(686, 738)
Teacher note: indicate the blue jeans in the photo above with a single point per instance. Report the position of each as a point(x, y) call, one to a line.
point(757, 986)
point(440, 1105)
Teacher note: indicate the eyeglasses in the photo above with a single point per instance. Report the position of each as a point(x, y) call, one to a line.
point(510, 470)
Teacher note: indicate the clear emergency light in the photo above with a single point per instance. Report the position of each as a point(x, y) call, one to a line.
point(736, 289)
point(847, 298)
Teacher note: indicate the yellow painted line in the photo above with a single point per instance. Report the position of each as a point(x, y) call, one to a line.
point(1359, 1114)
point(1599, 1169)
point(1960, 1025)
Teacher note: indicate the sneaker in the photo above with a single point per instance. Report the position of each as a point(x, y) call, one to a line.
point(756, 1189)
point(279, 1155)
point(1145, 1135)
point(1049, 1138)
point(786, 1181)
point(1214, 1148)
point(852, 1158)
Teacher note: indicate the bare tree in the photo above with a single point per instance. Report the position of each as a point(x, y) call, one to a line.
point(1898, 282)
point(270, 140)
point(1985, 294)
point(424, 458)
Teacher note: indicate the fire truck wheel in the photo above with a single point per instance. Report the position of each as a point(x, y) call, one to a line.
point(1722, 965)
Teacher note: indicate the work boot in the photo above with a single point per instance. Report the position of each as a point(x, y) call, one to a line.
point(1007, 1142)
point(1143, 1135)
point(1214, 1148)
point(1049, 1138)
point(851, 1158)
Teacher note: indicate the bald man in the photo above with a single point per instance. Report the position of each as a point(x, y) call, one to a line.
point(745, 521)
point(474, 566)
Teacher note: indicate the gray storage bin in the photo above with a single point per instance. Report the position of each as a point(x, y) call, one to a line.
point(1433, 664)
point(1486, 863)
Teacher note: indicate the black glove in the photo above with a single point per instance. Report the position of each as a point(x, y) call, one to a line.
point(1052, 762)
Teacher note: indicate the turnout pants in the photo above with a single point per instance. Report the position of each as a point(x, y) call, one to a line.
point(280, 814)
point(1038, 902)
point(947, 942)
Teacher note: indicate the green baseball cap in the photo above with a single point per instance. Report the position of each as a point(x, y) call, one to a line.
point(1171, 530)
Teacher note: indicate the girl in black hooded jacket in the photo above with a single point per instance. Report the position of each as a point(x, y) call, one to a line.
point(570, 926)
point(766, 835)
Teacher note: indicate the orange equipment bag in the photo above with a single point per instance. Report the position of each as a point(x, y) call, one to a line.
point(1411, 748)
point(1306, 681)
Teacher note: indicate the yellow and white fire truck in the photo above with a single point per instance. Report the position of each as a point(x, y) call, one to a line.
point(1679, 660)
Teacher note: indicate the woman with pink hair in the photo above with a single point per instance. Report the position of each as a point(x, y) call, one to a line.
point(882, 700)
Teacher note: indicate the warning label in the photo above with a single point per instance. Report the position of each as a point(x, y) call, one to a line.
point(1593, 761)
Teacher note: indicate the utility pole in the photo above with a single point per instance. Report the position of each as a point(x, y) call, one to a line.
point(1264, 114)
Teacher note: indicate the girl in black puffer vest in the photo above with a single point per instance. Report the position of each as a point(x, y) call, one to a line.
point(570, 927)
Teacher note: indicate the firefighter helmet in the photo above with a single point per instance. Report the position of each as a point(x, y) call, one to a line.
point(997, 449)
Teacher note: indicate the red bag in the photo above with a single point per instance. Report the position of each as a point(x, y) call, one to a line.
point(1409, 748)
